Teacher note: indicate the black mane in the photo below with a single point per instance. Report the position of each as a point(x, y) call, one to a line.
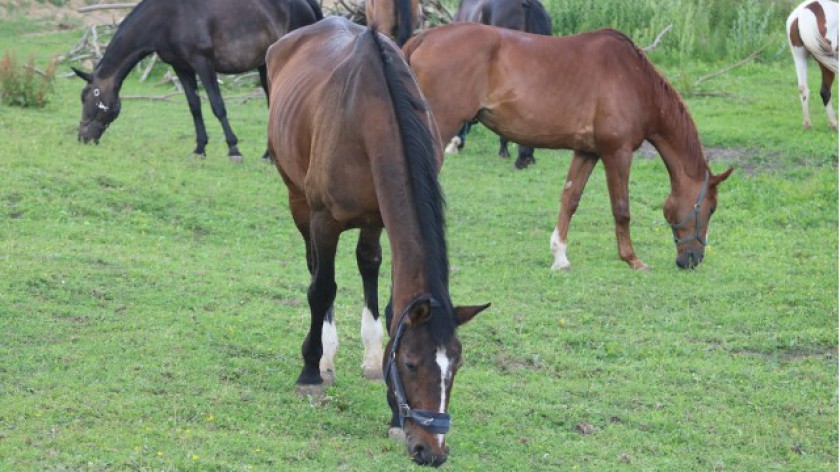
point(419, 151)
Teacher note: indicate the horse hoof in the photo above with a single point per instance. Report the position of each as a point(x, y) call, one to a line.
point(451, 148)
point(373, 374)
point(397, 434)
point(639, 265)
point(200, 155)
point(314, 391)
point(561, 266)
point(329, 378)
point(236, 158)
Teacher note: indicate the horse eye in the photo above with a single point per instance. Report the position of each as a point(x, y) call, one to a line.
point(712, 211)
point(412, 367)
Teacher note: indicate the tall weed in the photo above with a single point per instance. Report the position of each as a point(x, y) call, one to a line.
point(25, 86)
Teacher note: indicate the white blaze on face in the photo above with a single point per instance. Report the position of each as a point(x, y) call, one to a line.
point(445, 366)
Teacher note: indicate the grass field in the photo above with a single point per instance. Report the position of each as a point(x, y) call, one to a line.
point(152, 305)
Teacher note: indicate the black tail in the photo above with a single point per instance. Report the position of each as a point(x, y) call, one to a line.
point(419, 145)
point(537, 19)
point(405, 21)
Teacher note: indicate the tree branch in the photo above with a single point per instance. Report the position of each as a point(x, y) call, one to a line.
point(658, 38)
point(738, 64)
point(105, 6)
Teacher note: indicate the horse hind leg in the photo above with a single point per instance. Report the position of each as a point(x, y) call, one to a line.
point(800, 61)
point(369, 259)
point(579, 171)
point(825, 94)
point(214, 94)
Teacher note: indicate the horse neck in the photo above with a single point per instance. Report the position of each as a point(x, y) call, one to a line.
point(131, 43)
point(678, 143)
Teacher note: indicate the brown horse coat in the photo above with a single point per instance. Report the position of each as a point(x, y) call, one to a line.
point(594, 93)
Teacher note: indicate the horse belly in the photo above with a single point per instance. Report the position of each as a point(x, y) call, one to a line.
point(534, 131)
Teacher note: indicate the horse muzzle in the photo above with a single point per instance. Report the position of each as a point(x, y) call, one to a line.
point(690, 257)
point(427, 454)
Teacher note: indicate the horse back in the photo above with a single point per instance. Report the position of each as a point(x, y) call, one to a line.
point(328, 118)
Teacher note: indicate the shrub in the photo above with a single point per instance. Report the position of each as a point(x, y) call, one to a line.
point(25, 86)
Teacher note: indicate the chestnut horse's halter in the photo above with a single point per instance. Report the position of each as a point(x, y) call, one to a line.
point(432, 421)
point(695, 213)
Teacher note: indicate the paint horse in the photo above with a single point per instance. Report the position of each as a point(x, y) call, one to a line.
point(356, 146)
point(595, 93)
point(529, 16)
point(396, 18)
point(812, 30)
point(195, 37)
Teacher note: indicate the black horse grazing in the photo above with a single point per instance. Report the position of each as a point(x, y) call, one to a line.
point(202, 37)
point(529, 16)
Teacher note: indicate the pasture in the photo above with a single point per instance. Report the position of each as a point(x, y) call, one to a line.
point(152, 304)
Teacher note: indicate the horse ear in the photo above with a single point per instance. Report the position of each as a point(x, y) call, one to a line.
point(465, 313)
point(86, 76)
point(722, 176)
point(420, 313)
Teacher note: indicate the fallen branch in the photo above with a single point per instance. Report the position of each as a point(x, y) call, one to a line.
point(149, 68)
point(658, 38)
point(164, 98)
point(738, 64)
point(105, 6)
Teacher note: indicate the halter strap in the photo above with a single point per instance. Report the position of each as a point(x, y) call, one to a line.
point(695, 213)
point(432, 421)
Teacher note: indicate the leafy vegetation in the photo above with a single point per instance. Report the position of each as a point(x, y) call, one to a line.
point(152, 305)
point(25, 86)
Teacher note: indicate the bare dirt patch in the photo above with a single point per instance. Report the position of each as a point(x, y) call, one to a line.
point(61, 16)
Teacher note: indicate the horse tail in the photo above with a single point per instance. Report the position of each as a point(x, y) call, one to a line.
point(814, 42)
point(420, 150)
point(537, 19)
point(405, 21)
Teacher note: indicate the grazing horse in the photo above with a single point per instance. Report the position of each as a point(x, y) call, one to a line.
point(356, 146)
point(529, 16)
point(202, 37)
point(595, 93)
point(396, 18)
point(812, 30)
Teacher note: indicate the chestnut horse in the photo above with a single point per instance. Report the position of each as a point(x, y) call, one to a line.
point(521, 15)
point(195, 37)
point(595, 93)
point(812, 30)
point(356, 146)
point(396, 18)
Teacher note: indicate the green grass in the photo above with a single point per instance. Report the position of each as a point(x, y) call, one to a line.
point(152, 305)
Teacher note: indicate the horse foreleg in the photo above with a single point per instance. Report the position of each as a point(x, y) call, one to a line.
point(617, 169)
point(214, 94)
point(264, 85)
point(503, 148)
point(825, 94)
point(579, 171)
point(369, 258)
point(319, 347)
point(190, 85)
point(525, 157)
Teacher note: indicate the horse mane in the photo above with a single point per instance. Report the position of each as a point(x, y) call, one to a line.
point(674, 110)
point(537, 19)
point(419, 154)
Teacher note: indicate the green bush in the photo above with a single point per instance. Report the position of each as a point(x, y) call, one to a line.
point(25, 86)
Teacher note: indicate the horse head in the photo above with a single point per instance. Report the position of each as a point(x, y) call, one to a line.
point(420, 370)
point(100, 106)
point(689, 214)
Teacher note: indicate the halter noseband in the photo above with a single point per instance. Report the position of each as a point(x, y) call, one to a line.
point(695, 213)
point(432, 421)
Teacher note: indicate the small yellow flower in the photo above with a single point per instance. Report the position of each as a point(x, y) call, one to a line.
point(195, 457)
point(210, 418)
point(160, 453)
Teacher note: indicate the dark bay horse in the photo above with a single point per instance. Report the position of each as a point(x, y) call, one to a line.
point(595, 93)
point(812, 31)
point(202, 37)
point(396, 18)
point(356, 146)
point(529, 16)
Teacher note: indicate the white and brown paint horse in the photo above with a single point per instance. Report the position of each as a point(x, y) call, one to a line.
point(812, 30)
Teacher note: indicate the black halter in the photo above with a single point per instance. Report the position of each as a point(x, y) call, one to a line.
point(695, 213)
point(432, 421)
